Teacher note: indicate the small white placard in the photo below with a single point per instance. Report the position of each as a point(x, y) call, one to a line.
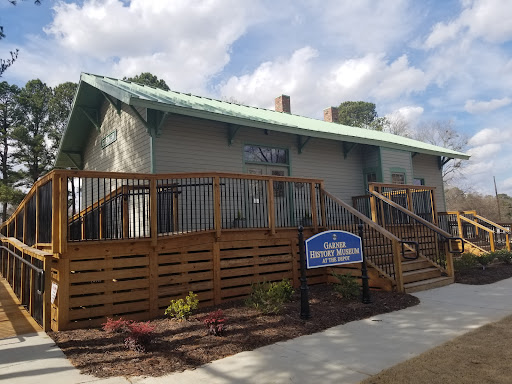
point(55, 287)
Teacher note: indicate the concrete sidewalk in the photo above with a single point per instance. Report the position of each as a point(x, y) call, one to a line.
point(344, 354)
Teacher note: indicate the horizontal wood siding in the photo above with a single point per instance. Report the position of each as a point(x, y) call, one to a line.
point(427, 167)
point(392, 159)
point(190, 145)
point(129, 153)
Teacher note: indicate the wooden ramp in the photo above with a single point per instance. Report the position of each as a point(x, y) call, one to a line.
point(14, 319)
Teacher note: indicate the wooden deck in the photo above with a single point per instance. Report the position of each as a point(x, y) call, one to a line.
point(126, 244)
point(14, 319)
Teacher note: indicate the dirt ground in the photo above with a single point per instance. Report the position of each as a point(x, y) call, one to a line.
point(478, 276)
point(184, 345)
point(481, 356)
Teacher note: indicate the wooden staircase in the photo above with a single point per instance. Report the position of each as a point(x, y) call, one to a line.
point(421, 274)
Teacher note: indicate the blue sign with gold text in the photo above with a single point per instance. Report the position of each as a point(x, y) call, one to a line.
point(333, 248)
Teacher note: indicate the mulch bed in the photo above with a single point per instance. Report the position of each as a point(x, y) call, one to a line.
point(184, 345)
point(478, 276)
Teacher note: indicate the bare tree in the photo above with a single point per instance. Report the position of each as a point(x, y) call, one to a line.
point(443, 134)
point(397, 125)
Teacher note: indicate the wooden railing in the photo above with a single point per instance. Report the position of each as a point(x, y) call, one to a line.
point(74, 206)
point(434, 243)
point(483, 234)
point(28, 271)
point(417, 199)
point(383, 249)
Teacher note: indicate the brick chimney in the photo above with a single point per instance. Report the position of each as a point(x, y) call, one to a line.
point(331, 115)
point(283, 104)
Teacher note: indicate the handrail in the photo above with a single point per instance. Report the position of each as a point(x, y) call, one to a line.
point(428, 224)
point(476, 224)
point(363, 218)
point(493, 223)
point(40, 272)
point(404, 186)
point(417, 250)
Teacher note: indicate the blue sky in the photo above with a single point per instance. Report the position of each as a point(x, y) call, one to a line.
point(419, 61)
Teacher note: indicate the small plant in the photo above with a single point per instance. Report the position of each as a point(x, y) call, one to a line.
point(181, 309)
point(347, 286)
point(139, 336)
point(270, 297)
point(485, 259)
point(465, 261)
point(215, 323)
point(116, 326)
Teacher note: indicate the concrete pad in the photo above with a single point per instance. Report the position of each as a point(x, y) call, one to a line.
point(347, 353)
point(271, 364)
point(35, 359)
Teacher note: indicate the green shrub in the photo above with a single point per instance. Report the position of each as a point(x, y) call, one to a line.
point(485, 259)
point(347, 286)
point(504, 256)
point(465, 261)
point(270, 297)
point(182, 308)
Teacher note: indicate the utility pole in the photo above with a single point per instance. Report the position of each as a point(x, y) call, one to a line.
point(497, 199)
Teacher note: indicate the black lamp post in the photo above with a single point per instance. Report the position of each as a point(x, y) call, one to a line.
point(304, 290)
point(364, 272)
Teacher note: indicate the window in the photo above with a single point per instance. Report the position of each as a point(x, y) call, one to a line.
point(418, 181)
point(255, 153)
point(371, 177)
point(398, 178)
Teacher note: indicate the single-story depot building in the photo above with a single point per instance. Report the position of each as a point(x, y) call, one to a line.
point(119, 126)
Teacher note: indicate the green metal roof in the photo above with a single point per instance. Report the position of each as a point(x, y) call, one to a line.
point(92, 88)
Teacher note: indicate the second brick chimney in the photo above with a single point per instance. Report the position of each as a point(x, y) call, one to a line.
point(331, 114)
point(283, 104)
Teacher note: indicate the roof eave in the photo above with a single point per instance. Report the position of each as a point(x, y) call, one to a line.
point(292, 129)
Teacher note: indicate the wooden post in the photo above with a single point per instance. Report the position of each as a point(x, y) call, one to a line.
point(63, 294)
point(217, 218)
point(47, 305)
point(449, 260)
point(37, 216)
point(409, 200)
point(153, 283)
point(153, 214)
point(322, 205)
point(217, 298)
point(271, 207)
point(63, 220)
point(433, 206)
point(373, 203)
point(24, 237)
point(491, 240)
point(397, 261)
point(507, 239)
point(314, 213)
point(459, 224)
point(55, 214)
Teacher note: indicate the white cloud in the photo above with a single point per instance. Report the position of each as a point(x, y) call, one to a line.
point(289, 76)
point(490, 20)
point(473, 106)
point(490, 136)
point(410, 114)
point(314, 85)
point(183, 44)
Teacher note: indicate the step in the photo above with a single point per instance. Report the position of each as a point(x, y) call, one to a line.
point(415, 265)
point(427, 284)
point(421, 274)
